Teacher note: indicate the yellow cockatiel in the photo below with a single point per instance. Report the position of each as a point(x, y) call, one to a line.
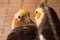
point(22, 17)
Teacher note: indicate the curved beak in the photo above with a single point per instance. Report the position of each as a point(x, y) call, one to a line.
point(29, 20)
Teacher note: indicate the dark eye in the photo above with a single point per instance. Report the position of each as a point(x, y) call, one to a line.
point(36, 11)
point(19, 17)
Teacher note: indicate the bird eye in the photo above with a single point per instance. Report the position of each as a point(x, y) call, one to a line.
point(36, 11)
point(19, 17)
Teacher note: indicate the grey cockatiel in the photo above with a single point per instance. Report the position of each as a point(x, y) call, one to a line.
point(47, 22)
point(22, 17)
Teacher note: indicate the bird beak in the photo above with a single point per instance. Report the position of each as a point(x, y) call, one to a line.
point(32, 21)
point(16, 22)
point(28, 19)
point(38, 15)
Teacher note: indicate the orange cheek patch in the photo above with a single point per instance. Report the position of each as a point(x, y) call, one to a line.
point(38, 15)
point(16, 22)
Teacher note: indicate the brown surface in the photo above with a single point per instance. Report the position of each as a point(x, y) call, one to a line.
point(14, 6)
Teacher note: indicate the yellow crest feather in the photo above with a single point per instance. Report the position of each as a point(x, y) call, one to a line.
point(23, 12)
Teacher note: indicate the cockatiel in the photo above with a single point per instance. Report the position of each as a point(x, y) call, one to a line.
point(22, 17)
point(47, 23)
point(23, 27)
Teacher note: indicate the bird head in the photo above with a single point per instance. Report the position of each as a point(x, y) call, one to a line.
point(21, 17)
point(39, 13)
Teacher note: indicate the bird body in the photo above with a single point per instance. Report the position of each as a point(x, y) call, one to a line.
point(44, 29)
point(27, 32)
point(55, 22)
point(45, 23)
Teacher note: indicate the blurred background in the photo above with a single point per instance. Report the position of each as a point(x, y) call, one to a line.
point(9, 7)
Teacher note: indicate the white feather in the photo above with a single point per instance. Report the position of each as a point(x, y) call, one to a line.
point(38, 22)
point(41, 37)
point(12, 25)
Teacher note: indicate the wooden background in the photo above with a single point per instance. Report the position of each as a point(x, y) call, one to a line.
point(9, 7)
